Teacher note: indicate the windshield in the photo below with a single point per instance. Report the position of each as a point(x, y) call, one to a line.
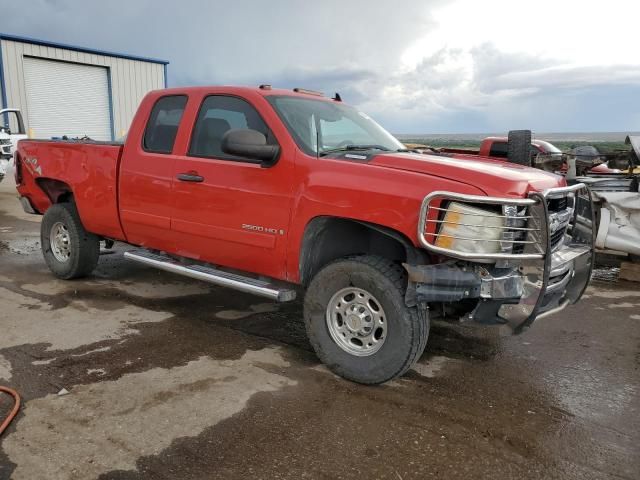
point(334, 126)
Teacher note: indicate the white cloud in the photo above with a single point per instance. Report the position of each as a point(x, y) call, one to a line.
point(580, 32)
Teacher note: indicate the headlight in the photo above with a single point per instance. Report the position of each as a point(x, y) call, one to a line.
point(469, 229)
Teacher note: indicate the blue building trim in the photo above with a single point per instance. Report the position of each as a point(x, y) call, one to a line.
point(2, 82)
point(166, 82)
point(111, 122)
point(35, 41)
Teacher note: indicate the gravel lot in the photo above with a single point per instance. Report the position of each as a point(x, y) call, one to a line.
point(169, 378)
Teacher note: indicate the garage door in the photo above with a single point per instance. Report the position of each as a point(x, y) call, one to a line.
point(67, 99)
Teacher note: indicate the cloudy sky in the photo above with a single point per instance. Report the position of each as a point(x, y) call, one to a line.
point(417, 66)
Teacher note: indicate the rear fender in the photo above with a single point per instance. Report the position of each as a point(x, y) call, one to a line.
point(56, 190)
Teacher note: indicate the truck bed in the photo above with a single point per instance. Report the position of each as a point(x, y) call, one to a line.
point(44, 167)
point(462, 151)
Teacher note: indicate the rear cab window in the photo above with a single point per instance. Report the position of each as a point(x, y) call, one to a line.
point(499, 149)
point(162, 126)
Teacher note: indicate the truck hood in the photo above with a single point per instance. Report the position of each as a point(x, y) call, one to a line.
point(494, 177)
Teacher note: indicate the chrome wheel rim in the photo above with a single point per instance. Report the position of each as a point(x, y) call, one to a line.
point(60, 242)
point(356, 321)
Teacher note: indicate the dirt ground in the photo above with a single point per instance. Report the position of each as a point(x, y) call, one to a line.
point(168, 378)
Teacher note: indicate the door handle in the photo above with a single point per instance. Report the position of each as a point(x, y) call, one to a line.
point(190, 177)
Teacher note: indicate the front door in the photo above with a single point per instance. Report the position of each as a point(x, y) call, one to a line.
point(228, 210)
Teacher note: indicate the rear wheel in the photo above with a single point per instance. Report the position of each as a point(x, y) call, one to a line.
point(68, 249)
point(358, 323)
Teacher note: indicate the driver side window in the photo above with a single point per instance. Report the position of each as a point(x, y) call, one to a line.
point(219, 114)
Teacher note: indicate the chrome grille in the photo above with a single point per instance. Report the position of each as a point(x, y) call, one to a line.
point(556, 238)
point(557, 204)
point(560, 216)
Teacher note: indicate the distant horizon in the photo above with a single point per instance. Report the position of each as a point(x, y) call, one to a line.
point(578, 136)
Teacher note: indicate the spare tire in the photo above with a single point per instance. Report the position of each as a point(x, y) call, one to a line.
point(519, 147)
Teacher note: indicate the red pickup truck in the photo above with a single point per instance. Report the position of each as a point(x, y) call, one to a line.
point(277, 192)
point(498, 147)
point(519, 147)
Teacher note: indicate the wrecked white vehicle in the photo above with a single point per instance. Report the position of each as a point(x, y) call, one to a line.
point(11, 131)
point(5, 154)
point(619, 227)
point(617, 201)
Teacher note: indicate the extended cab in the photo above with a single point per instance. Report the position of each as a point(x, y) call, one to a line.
point(277, 192)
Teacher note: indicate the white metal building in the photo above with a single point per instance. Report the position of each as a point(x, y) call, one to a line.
point(74, 91)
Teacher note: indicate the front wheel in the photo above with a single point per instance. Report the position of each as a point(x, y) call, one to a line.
point(358, 323)
point(69, 250)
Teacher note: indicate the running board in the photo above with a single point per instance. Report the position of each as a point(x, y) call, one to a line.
point(213, 275)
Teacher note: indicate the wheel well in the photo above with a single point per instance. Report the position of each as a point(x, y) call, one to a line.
point(328, 238)
point(56, 190)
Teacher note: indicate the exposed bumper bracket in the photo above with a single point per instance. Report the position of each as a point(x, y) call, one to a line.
point(26, 205)
point(451, 283)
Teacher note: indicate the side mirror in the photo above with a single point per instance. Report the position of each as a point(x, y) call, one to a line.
point(244, 142)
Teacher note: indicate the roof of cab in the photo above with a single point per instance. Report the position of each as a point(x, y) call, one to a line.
point(242, 90)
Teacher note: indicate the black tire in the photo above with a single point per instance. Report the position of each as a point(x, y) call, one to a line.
point(84, 247)
point(519, 147)
point(407, 328)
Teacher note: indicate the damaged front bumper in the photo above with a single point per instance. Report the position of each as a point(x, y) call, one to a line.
point(551, 271)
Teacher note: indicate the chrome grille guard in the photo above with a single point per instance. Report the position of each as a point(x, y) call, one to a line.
point(538, 222)
point(553, 278)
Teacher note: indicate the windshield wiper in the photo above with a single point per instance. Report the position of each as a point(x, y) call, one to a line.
point(348, 148)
